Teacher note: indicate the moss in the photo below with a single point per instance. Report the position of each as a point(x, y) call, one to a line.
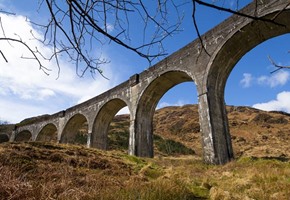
point(199, 189)
point(134, 159)
point(152, 171)
point(138, 163)
point(200, 192)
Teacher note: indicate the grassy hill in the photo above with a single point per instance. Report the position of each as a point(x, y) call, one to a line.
point(254, 132)
point(54, 171)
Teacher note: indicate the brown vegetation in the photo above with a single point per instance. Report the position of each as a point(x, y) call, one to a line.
point(52, 171)
point(254, 132)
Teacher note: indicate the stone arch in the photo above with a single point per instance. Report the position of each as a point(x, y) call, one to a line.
point(243, 40)
point(75, 130)
point(103, 120)
point(48, 133)
point(23, 136)
point(4, 138)
point(223, 60)
point(146, 108)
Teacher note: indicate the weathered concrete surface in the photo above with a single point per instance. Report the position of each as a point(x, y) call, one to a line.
point(225, 45)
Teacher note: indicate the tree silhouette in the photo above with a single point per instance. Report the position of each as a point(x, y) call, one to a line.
point(77, 27)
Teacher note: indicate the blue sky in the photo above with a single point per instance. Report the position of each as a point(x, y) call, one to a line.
point(25, 91)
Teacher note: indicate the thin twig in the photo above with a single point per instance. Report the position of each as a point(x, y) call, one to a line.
point(279, 67)
point(196, 28)
point(35, 57)
point(3, 56)
point(237, 12)
point(6, 12)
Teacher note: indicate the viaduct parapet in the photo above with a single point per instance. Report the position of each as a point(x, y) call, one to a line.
point(225, 45)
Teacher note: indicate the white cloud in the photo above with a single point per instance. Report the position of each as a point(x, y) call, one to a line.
point(166, 104)
point(163, 104)
point(281, 103)
point(247, 80)
point(279, 78)
point(21, 79)
point(45, 93)
point(13, 111)
point(110, 28)
point(123, 111)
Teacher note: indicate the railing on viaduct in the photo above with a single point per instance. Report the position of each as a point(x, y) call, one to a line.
point(225, 45)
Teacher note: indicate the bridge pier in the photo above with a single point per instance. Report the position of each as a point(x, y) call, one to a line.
point(225, 44)
point(216, 139)
point(144, 135)
point(132, 138)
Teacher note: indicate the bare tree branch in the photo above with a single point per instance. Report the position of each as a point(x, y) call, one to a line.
point(236, 12)
point(78, 29)
point(81, 25)
point(33, 53)
point(279, 67)
point(196, 27)
point(6, 12)
point(3, 56)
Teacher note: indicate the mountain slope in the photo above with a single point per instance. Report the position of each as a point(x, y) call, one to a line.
point(253, 132)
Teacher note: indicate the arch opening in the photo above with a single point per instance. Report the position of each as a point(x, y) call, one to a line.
point(146, 109)
point(176, 129)
point(225, 59)
point(255, 132)
point(76, 130)
point(102, 123)
point(48, 133)
point(23, 136)
point(4, 138)
point(252, 35)
point(118, 131)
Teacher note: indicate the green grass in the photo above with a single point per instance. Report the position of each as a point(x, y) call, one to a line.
point(171, 147)
point(118, 140)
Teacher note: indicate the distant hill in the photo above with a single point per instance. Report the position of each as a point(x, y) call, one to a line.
point(254, 132)
point(176, 131)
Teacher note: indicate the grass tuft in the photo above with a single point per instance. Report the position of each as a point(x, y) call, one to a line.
point(56, 171)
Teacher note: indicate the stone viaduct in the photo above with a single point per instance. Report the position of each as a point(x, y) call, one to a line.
point(225, 45)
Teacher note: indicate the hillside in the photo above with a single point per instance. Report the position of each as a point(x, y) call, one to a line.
point(261, 170)
point(254, 132)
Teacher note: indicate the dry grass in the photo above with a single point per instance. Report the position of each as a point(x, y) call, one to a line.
point(250, 178)
point(50, 171)
point(54, 171)
point(254, 132)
